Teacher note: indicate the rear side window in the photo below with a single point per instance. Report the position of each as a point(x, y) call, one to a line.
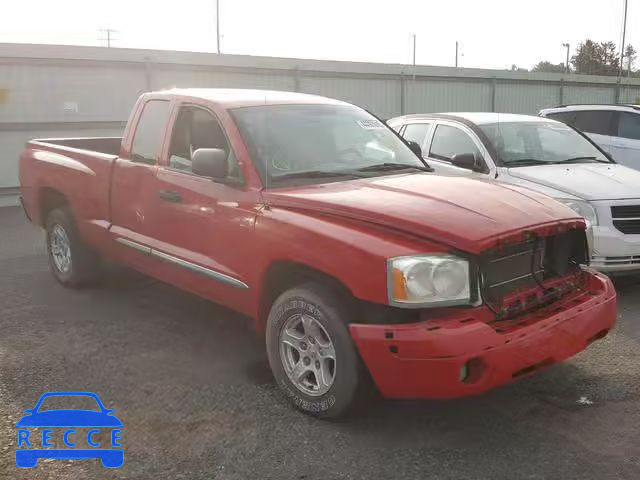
point(416, 132)
point(594, 121)
point(629, 126)
point(449, 141)
point(147, 140)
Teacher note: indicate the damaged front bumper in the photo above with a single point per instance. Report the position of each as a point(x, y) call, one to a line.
point(465, 353)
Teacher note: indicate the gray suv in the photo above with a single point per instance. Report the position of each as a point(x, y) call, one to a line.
point(615, 128)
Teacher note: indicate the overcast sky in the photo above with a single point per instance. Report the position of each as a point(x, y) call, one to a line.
point(492, 33)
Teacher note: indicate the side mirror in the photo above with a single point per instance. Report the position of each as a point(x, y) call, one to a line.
point(209, 162)
point(29, 410)
point(415, 148)
point(466, 160)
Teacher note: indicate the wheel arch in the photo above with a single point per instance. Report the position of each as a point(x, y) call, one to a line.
point(284, 274)
point(48, 200)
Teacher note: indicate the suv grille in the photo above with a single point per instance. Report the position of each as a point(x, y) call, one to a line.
point(626, 218)
point(524, 266)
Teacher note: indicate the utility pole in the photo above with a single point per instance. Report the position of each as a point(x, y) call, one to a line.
point(456, 53)
point(218, 25)
point(566, 65)
point(414, 49)
point(624, 34)
point(108, 32)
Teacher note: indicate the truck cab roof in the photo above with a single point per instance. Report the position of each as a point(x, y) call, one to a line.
point(229, 98)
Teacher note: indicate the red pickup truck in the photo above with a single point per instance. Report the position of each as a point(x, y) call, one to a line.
point(320, 223)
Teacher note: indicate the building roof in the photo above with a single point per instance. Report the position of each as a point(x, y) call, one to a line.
point(238, 97)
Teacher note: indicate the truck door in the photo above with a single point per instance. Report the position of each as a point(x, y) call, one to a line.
point(202, 229)
point(134, 179)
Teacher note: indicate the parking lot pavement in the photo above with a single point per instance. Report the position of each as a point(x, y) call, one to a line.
point(191, 385)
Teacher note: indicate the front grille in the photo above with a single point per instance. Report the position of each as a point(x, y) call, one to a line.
point(626, 218)
point(615, 261)
point(518, 268)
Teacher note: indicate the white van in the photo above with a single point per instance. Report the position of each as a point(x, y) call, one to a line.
point(616, 128)
point(544, 155)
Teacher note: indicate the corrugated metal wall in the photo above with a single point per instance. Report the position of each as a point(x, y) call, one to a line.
point(379, 96)
point(525, 98)
point(446, 95)
point(54, 93)
point(48, 91)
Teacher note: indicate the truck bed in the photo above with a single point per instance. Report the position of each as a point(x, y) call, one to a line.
point(106, 145)
point(79, 169)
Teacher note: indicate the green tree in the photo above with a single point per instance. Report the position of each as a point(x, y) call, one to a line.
point(593, 58)
point(629, 58)
point(549, 67)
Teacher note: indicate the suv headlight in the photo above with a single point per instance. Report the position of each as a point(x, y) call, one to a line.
point(582, 208)
point(428, 280)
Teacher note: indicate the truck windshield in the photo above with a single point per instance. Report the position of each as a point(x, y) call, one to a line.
point(539, 143)
point(301, 144)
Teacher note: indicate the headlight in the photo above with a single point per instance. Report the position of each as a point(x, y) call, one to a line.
point(582, 208)
point(428, 280)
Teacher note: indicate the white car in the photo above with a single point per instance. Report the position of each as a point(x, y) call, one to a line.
point(544, 155)
point(615, 128)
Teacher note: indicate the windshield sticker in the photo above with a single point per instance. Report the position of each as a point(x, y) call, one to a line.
point(370, 124)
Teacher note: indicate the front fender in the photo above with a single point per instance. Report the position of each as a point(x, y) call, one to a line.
point(354, 253)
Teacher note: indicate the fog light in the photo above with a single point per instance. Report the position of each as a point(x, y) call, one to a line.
point(472, 370)
point(464, 372)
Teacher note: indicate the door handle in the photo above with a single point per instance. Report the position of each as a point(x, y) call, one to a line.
point(170, 196)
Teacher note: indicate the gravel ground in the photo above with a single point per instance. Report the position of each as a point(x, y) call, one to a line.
point(191, 385)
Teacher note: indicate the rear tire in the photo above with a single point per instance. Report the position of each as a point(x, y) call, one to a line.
point(72, 262)
point(306, 326)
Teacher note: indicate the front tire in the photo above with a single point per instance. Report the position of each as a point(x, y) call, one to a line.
point(72, 262)
point(311, 353)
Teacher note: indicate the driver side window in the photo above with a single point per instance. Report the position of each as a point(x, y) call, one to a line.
point(449, 141)
point(197, 128)
point(416, 132)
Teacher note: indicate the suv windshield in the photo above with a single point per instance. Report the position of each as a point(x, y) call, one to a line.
point(537, 143)
point(293, 144)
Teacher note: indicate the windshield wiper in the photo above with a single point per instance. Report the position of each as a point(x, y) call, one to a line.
point(313, 174)
point(581, 159)
point(525, 162)
point(384, 167)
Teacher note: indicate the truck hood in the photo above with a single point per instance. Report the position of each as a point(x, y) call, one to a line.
point(590, 181)
point(466, 214)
